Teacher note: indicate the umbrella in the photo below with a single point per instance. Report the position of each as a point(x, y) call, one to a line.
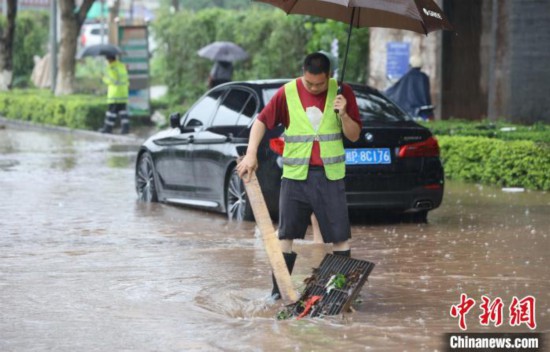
point(100, 49)
point(421, 16)
point(223, 51)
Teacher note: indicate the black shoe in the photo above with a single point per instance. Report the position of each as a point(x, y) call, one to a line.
point(105, 129)
point(125, 129)
point(343, 253)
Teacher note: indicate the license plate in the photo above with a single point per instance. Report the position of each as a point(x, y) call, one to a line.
point(368, 156)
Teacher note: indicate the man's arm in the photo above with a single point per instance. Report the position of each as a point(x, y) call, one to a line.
point(351, 129)
point(249, 163)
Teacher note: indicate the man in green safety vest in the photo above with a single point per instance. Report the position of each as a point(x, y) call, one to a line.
point(313, 157)
point(116, 79)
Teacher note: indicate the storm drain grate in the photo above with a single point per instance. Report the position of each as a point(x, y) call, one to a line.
point(332, 287)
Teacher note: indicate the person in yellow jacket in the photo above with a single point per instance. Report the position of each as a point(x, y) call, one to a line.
point(116, 79)
point(313, 158)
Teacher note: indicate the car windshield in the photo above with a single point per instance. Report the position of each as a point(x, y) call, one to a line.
point(372, 106)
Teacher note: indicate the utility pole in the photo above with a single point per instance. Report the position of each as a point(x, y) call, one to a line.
point(53, 42)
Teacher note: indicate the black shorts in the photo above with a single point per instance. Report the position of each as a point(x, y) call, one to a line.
point(318, 195)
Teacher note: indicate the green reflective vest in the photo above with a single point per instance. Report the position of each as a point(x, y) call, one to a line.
point(117, 83)
point(299, 137)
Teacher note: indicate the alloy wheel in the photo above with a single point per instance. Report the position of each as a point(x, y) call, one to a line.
point(145, 179)
point(236, 200)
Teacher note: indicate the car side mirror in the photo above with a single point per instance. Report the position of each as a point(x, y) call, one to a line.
point(175, 118)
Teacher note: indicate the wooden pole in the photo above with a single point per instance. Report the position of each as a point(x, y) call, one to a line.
point(271, 242)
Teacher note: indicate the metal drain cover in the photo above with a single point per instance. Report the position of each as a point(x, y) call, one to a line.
point(332, 288)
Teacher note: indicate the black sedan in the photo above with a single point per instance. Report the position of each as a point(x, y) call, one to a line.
point(394, 166)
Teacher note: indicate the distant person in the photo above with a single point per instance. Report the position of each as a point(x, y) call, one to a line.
point(221, 72)
point(116, 79)
point(412, 91)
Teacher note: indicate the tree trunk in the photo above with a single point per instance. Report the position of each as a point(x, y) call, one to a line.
point(176, 5)
point(6, 46)
point(71, 22)
point(112, 24)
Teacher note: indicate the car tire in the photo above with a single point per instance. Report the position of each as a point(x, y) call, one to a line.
point(236, 201)
point(145, 179)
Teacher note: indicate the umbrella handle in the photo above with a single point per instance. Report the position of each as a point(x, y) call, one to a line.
point(338, 92)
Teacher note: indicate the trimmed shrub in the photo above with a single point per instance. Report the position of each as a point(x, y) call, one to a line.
point(496, 162)
point(538, 132)
point(76, 111)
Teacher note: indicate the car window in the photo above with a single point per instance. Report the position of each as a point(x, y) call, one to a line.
point(234, 105)
point(268, 94)
point(248, 112)
point(97, 31)
point(373, 107)
point(202, 111)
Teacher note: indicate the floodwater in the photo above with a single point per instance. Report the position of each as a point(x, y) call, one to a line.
point(84, 267)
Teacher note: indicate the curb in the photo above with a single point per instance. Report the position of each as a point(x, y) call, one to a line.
point(131, 138)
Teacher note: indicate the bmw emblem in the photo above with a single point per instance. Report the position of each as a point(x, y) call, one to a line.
point(369, 137)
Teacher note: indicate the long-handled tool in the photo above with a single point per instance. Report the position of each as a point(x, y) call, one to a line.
point(271, 242)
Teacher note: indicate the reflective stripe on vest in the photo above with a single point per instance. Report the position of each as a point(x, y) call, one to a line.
point(300, 135)
point(116, 79)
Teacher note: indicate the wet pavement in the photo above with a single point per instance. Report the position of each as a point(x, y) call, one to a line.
point(85, 267)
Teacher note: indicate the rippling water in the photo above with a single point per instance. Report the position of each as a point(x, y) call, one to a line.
point(84, 267)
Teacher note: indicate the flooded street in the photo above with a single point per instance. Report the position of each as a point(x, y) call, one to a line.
point(85, 267)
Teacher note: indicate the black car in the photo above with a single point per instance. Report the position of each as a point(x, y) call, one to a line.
point(395, 164)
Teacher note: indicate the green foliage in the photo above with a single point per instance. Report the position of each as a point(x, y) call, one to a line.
point(40, 106)
point(324, 32)
point(205, 4)
point(89, 72)
point(538, 132)
point(277, 44)
point(496, 162)
point(31, 38)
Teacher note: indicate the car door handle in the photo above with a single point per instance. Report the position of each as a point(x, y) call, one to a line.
point(174, 141)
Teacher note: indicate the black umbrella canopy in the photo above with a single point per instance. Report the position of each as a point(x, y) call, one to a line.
point(223, 51)
point(421, 16)
point(100, 50)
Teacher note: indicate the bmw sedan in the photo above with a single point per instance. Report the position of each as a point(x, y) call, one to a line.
point(394, 166)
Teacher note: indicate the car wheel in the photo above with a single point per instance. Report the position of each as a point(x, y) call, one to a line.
point(237, 205)
point(145, 179)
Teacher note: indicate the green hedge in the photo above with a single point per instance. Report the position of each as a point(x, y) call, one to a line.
point(538, 132)
point(76, 111)
point(496, 162)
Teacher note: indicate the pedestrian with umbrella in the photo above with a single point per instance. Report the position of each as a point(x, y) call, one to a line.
point(221, 72)
point(313, 158)
point(223, 54)
point(116, 79)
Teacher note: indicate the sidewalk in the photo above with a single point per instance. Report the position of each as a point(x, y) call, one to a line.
point(137, 135)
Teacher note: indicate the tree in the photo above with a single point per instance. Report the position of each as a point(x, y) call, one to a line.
point(6, 46)
point(72, 19)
